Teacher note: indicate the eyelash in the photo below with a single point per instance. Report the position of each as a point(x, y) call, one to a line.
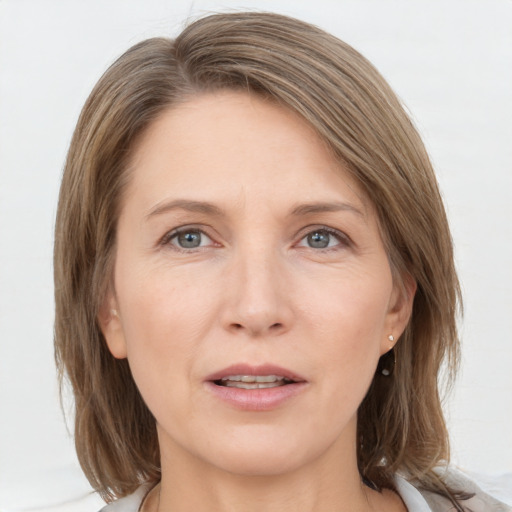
point(343, 239)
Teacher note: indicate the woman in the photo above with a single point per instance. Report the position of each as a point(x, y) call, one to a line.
point(255, 286)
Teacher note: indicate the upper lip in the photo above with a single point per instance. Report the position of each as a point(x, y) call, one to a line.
point(247, 369)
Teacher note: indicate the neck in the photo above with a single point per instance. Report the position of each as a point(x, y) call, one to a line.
point(329, 483)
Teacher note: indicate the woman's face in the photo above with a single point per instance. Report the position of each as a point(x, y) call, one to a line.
point(252, 289)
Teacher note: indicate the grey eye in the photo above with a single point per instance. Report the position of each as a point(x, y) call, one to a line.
point(319, 239)
point(186, 239)
point(189, 239)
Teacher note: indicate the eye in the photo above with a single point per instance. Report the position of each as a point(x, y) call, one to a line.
point(187, 238)
point(323, 238)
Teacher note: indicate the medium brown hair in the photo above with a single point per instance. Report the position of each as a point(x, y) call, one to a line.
point(354, 111)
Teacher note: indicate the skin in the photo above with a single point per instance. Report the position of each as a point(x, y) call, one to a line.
point(255, 291)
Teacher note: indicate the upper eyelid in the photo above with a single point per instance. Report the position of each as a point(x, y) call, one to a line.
point(203, 228)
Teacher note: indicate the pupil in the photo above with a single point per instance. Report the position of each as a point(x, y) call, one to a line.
point(190, 239)
point(318, 239)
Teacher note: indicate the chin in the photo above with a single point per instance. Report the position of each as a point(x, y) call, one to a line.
point(261, 464)
point(263, 455)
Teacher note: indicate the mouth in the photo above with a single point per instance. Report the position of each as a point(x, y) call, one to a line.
point(258, 388)
point(247, 376)
point(253, 381)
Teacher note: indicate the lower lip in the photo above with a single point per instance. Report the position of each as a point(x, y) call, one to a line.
point(263, 399)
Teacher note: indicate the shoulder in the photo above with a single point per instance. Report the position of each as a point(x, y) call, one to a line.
point(129, 503)
point(419, 500)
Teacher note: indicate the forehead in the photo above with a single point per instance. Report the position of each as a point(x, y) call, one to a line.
point(233, 146)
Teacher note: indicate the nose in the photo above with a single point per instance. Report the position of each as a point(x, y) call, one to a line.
point(259, 295)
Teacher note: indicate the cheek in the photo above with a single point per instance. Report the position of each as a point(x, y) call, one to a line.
point(348, 320)
point(353, 304)
point(164, 322)
point(158, 303)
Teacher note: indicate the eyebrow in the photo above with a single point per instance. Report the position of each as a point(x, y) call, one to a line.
point(185, 204)
point(309, 208)
point(211, 209)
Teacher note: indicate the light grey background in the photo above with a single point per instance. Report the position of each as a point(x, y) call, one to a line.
point(450, 62)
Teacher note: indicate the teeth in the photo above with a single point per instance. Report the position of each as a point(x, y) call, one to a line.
point(253, 378)
point(253, 385)
point(254, 381)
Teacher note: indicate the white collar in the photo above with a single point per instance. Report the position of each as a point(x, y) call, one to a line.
point(412, 498)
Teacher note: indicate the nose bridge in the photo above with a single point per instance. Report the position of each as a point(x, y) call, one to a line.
point(258, 304)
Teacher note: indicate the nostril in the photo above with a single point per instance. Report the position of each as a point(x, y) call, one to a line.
point(274, 327)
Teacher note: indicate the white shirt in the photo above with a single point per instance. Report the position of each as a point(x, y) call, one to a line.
point(412, 498)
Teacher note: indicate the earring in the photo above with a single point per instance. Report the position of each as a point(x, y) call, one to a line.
point(113, 312)
point(387, 361)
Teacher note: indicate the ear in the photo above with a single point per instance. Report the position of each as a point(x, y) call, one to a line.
point(399, 312)
point(111, 326)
